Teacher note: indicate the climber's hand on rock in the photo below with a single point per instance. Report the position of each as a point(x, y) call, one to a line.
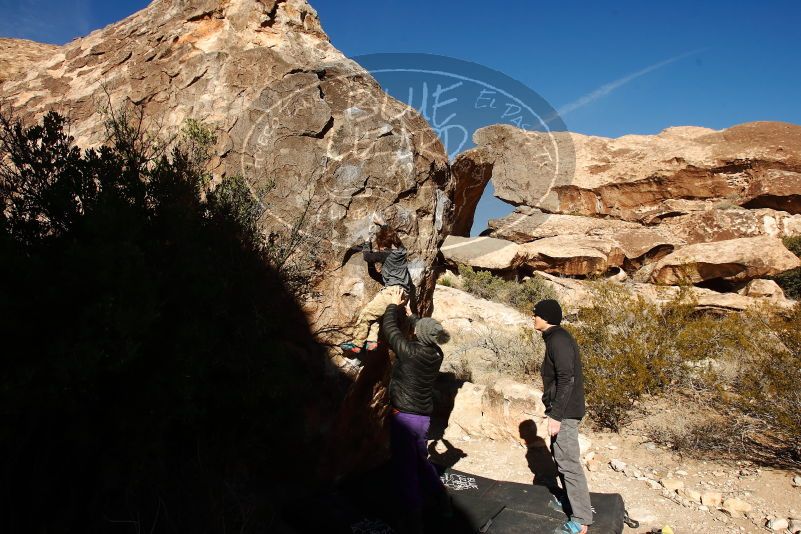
point(378, 219)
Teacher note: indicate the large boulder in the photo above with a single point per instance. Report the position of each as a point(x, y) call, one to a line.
point(528, 224)
point(481, 331)
point(732, 223)
point(639, 177)
point(497, 411)
point(766, 289)
point(734, 260)
point(311, 131)
point(574, 294)
point(573, 255)
point(481, 252)
point(638, 244)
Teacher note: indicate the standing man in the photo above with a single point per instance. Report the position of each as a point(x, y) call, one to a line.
point(563, 387)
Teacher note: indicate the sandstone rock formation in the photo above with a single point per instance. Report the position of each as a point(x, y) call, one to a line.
point(309, 129)
point(731, 223)
point(573, 255)
point(481, 252)
point(526, 224)
point(456, 310)
point(18, 55)
point(734, 260)
point(756, 165)
point(644, 206)
point(573, 294)
point(495, 411)
point(482, 333)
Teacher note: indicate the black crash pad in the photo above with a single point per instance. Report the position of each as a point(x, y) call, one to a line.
point(526, 506)
point(367, 505)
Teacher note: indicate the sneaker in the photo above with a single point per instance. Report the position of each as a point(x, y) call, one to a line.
point(371, 346)
point(571, 527)
point(350, 346)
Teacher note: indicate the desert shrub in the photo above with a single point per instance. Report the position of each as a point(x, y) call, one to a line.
point(445, 281)
point(730, 437)
point(517, 353)
point(790, 281)
point(519, 295)
point(748, 364)
point(767, 385)
point(151, 351)
point(632, 346)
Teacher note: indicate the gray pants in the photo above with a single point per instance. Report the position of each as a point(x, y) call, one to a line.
point(567, 455)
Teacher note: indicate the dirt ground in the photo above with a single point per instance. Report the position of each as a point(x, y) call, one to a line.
point(769, 491)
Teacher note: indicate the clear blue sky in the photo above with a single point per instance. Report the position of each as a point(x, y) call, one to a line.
point(743, 59)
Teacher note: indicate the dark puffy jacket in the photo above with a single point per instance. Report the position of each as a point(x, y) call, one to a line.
point(415, 370)
point(562, 376)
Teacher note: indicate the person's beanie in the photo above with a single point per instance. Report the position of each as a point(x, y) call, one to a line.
point(549, 310)
point(430, 332)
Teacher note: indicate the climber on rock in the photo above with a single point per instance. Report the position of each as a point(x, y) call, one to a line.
point(398, 287)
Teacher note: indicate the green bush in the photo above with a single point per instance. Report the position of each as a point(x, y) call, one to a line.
point(519, 295)
point(790, 281)
point(632, 346)
point(445, 281)
point(749, 362)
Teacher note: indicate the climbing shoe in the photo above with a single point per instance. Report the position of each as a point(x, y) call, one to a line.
point(350, 346)
point(571, 527)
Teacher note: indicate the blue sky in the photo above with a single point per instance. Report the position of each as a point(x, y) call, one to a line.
point(711, 64)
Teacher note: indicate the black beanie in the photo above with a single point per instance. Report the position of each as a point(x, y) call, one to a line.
point(549, 310)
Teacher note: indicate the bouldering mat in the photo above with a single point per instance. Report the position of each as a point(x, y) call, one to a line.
point(368, 505)
point(526, 505)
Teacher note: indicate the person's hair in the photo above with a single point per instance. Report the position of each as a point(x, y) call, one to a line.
point(387, 238)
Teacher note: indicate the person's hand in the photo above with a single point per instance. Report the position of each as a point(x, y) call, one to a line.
point(397, 298)
point(553, 427)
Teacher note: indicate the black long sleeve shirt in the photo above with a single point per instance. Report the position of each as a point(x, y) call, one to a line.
point(562, 376)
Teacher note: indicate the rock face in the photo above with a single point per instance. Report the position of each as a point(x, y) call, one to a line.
point(722, 224)
point(18, 55)
point(573, 255)
point(496, 411)
point(311, 131)
point(689, 205)
point(481, 332)
point(635, 177)
point(734, 260)
point(481, 252)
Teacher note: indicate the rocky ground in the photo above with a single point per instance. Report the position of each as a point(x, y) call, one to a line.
point(659, 486)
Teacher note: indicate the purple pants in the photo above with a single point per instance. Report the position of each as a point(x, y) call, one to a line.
point(418, 480)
